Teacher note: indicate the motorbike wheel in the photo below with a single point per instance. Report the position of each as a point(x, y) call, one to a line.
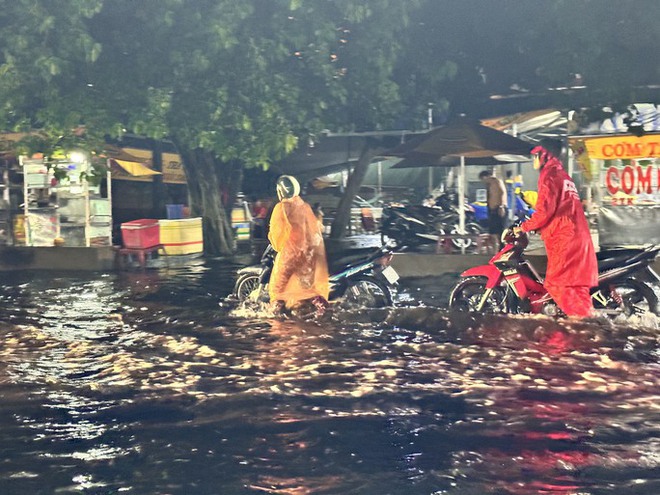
point(245, 285)
point(470, 228)
point(467, 294)
point(366, 292)
point(637, 297)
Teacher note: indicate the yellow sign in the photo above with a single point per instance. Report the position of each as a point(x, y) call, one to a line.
point(623, 147)
point(172, 168)
point(173, 172)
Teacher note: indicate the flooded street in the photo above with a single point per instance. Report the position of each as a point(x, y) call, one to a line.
point(149, 383)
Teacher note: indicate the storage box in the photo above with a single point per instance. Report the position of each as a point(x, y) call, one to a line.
point(174, 212)
point(140, 234)
point(182, 236)
point(240, 221)
point(242, 231)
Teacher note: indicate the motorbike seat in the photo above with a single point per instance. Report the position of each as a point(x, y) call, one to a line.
point(610, 258)
point(344, 262)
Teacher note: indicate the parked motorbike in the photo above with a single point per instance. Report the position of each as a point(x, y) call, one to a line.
point(610, 258)
point(415, 225)
point(356, 281)
point(509, 283)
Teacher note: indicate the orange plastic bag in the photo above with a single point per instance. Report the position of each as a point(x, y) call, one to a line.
point(301, 270)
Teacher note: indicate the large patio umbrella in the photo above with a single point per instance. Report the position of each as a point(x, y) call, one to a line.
point(462, 139)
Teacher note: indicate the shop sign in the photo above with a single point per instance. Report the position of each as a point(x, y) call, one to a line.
point(173, 172)
point(633, 183)
point(623, 147)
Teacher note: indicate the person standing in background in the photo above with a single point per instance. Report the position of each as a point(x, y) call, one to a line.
point(496, 200)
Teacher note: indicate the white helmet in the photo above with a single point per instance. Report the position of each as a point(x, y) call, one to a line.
point(287, 187)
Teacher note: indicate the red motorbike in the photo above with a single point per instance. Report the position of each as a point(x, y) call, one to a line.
point(509, 283)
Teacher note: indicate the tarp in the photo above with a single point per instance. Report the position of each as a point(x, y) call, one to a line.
point(130, 163)
point(528, 122)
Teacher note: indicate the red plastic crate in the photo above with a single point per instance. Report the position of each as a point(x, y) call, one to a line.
point(140, 234)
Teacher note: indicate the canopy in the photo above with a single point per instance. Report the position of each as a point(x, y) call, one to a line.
point(125, 166)
point(331, 153)
point(134, 168)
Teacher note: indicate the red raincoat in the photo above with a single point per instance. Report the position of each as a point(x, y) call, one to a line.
point(572, 266)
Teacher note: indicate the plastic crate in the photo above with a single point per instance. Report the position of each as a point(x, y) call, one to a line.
point(182, 236)
point(140, 234)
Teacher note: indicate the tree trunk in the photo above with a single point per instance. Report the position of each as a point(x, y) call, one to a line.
point(207, 180)
point(343, 215)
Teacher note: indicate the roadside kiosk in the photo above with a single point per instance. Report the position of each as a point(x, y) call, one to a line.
point(623, 174)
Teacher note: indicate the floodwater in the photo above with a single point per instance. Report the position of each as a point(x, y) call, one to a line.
point(147, 383)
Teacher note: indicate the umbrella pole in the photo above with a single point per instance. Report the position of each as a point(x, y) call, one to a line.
point(461, 202)
point(380, 179)
point(430, 180)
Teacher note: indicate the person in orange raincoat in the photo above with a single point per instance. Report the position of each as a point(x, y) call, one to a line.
point(300, 271)
point(572, 266)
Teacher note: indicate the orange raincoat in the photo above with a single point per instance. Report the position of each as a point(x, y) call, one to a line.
point(301, 270)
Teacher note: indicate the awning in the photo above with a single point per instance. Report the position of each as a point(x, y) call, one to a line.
point(134, 168)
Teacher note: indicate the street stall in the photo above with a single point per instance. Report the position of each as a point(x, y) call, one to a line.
point(62, 205)
point(623, 177)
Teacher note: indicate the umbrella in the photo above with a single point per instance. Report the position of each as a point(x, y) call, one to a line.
point(462, 139)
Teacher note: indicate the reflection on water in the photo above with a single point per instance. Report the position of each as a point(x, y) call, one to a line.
point(149, 383)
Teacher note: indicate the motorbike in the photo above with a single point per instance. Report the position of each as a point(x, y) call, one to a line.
point(356, 281)
point(611, 257)
point(509, 283)
point(413, 226)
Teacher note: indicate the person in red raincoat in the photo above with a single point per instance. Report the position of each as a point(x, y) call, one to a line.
point(572, 267)
point(300, 271)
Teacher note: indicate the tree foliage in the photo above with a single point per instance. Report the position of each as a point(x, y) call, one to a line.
point(241, 84)
point(233, 84)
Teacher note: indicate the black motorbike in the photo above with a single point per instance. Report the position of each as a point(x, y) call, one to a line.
point(636, 261)
point(416, 225)
point(356, 281)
